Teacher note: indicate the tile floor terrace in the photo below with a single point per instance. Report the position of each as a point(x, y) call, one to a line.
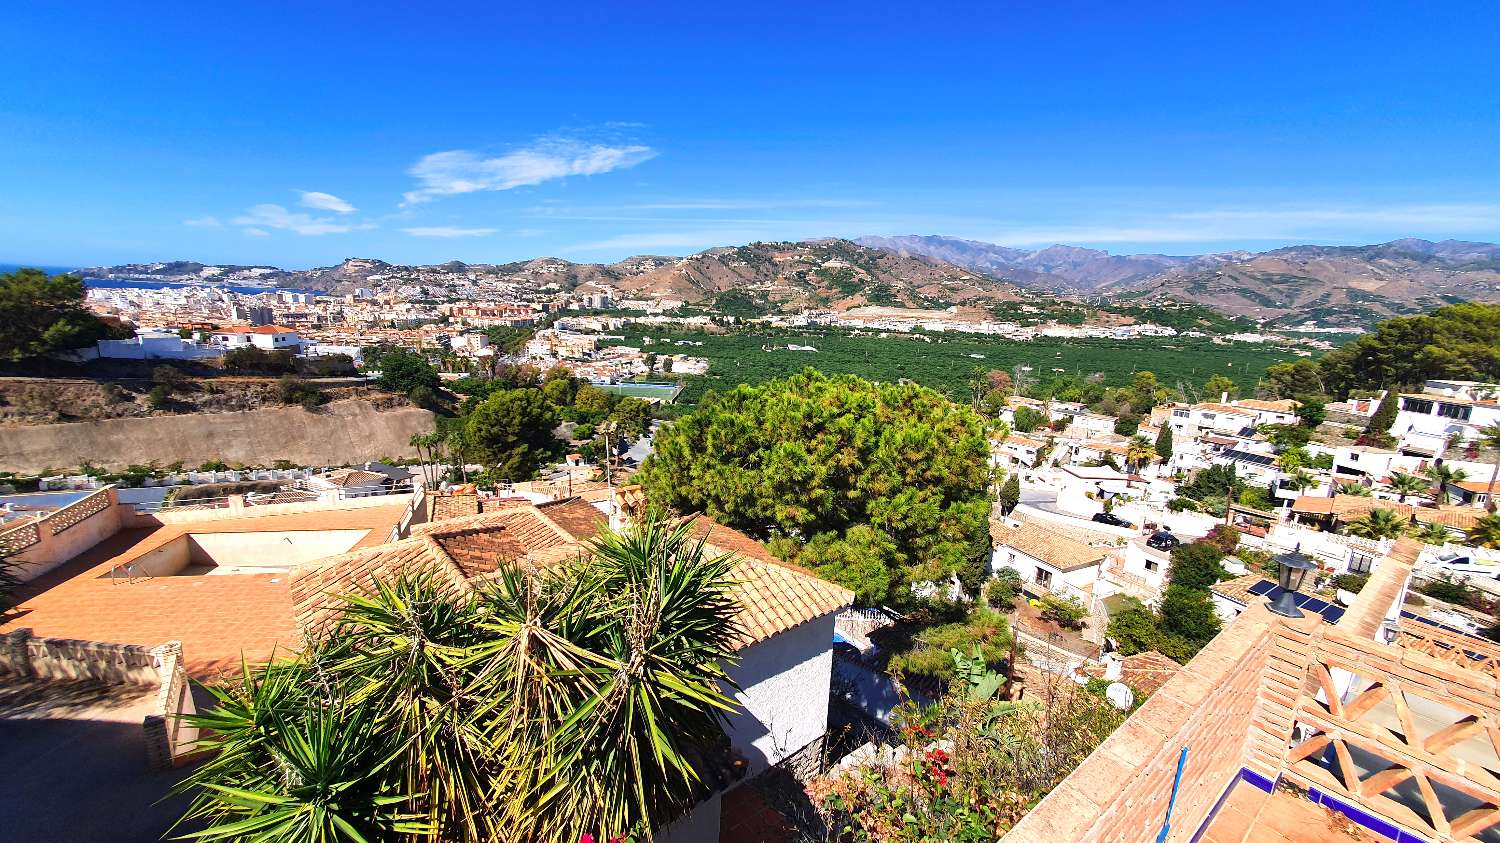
point(1251, 815)
point(217, 618)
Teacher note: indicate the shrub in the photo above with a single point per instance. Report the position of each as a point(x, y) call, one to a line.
point(1182, 505)
point(255, 361)
point(1448, 590)
point(1351, 582)
point(1063, 611)
point(423, 396)
point(1224, 537)
point(160, 397)
point(294, 390)
point(1196, 565)
point(1002, 590)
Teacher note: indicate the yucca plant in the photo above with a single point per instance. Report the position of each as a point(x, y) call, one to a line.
point(539, 706)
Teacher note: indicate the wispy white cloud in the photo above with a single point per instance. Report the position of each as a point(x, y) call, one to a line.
point(275, 216)
point(1280, 223)
point(447, 231)
point(256, 232)
point(530, 232)
point(462, 171)
point(325, 202)
point(670, 240)
point(204, 222)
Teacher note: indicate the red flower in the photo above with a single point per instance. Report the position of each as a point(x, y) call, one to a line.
point(586, 838)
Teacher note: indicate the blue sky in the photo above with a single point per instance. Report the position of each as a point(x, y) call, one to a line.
point(300, 134)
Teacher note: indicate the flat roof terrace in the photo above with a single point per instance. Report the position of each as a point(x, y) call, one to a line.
point(107, 593)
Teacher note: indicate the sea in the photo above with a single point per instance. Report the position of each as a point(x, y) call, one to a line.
point(138, 284)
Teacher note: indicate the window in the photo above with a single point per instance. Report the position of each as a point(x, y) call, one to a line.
point(1360, 563)
point(1153, 565)
point(1454, 411)
point(1043, 577)
point(1416, 405)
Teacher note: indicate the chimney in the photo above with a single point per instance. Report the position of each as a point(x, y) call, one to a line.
point(1224, 398)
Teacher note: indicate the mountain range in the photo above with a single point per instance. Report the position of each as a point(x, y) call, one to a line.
point(1293, 284)
point(756, 278)
point(1327, 285)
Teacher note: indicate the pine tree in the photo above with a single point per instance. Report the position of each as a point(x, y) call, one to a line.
point(1010, 494)
point(1164, 444)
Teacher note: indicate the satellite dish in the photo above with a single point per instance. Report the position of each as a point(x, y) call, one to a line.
point(1120, 696)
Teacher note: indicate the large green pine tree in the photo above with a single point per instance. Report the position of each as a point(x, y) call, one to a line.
point(875, 486)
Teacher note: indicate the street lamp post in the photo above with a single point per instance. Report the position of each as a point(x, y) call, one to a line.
point(1293, 567)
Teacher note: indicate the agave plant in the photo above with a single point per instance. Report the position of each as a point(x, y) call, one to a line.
point(543, 706)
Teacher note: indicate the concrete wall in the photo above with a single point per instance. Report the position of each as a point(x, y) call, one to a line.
point(55, 548)
point(349, 431)
point(699, 826)
point(60, 659)
point(236, 509)
point(280, 549)
point(165, 561)
point(784, 685)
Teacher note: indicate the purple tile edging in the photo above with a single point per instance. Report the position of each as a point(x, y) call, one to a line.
point(1380, 826)
point(1377, 824)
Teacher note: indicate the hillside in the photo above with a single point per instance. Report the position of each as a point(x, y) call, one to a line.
point(1337, 284)
point(756, 278)
point(1329, 285)
point(1057, 268)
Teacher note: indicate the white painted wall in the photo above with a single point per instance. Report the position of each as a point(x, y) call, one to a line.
point(699, 826)
point(784, 685)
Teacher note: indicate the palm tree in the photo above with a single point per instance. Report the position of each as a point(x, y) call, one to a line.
point(1407, 484)
point(1139, 451)
point(1358, 490)
point(1431, 533)
point(1377, 524)
point(1301, 481)
point(1442, 476)
point(1489, 439)
point(1485, 532)
point(543, 706)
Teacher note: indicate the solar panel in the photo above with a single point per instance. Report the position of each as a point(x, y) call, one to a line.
point(1308, 603)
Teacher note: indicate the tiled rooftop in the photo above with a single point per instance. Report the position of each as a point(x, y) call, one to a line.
point(217, 618)
point(774, 595)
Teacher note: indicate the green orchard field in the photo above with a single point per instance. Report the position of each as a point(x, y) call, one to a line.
point(946, 361)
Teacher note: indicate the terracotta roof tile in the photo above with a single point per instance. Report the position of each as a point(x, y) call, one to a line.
point(1048, 545)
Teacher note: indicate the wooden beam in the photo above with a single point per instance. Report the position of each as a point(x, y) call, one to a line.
point(1475, 821)
point(1325, 680)
point(1434, 807)
point(1346, 766)
point(1308, 748)
point(1365, 702)
point(1384, 780)
point(1449, 736)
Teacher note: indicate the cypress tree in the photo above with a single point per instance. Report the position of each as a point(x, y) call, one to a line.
point(1010, 493)
point(1164, 443)
point(1385, 415)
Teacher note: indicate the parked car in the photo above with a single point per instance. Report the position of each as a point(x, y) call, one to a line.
point(1163, 540)
point(1112, 520)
